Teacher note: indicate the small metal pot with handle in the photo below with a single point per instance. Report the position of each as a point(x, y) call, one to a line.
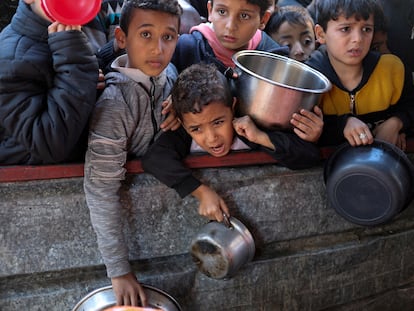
point(220, 248)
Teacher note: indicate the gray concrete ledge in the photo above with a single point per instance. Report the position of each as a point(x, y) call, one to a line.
point(308, 257)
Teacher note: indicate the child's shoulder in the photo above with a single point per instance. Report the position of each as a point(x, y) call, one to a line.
point(390, 60)
point(190, 39)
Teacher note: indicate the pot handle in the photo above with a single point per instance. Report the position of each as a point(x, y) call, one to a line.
point(226, 221)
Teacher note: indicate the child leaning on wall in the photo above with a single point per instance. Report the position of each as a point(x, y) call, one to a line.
point(372, 94)
point(204, 105)
point(48, 80)
point(292, 26)
point(126, 120)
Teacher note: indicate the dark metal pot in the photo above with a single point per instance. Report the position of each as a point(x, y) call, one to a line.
point(271, 87)
point(369, 185)
point(220, 249)
point(104, 298)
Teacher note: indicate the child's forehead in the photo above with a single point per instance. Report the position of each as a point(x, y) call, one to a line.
point(236, 4)
point(355, 17)
point(207, 113)
point(153, 17)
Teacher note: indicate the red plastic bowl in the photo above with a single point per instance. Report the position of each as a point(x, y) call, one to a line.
point(71, 12)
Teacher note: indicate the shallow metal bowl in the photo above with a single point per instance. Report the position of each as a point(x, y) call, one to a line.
point(271, 87)
point(369, 185)
point(104, 297)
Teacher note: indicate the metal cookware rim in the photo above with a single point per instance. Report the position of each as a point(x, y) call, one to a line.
point(245, 233)
point(109, 287)
point(239, 228)
point(287, 60)
point(397, 154)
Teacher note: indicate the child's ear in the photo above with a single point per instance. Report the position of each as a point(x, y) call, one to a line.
point(120, 37)
point(233, 106)
point(319, 34)
point(264, 20)
point(209, 9)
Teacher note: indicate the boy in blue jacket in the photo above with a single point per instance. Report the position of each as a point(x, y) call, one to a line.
point(48, 80)
point(234, 25)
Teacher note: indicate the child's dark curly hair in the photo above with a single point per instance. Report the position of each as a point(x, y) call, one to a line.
point(198, 86)
point(167, 6)
point(327, 10)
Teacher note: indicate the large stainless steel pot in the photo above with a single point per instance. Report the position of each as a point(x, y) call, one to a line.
point(271, 87)
point(369, 185)
point(104, 297)
point(220, 249)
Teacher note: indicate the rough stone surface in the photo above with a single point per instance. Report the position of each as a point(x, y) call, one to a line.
point(308, 257)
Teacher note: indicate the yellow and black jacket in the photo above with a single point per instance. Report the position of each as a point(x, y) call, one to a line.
point(385, 90)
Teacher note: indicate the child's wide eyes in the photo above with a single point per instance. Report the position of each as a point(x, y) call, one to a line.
point(145, 34)
point(168, 37)
point(345, 29)
point(244, 16)
point(308, 41)
point(367, 29)
point(194, 129)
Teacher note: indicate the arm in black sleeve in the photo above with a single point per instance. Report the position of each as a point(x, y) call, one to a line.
point(292, 151)
point(164, 160)
point(107, 54)
point(333, 129)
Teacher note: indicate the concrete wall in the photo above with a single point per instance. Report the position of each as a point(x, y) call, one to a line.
point(308, 257)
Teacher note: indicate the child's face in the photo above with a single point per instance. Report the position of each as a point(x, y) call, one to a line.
point(152, 37)
point(299, 38)
point(379, 42)
point(347, 41)
point(212, 128)
point(235, 22)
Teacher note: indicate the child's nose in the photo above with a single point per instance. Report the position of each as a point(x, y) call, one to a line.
point(297, 49)
point(211, 136)
point(157, 46)
point(357, 35)
point(231, 23)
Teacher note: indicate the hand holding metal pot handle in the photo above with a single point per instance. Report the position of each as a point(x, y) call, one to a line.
point(211, 205)
point(226, 221)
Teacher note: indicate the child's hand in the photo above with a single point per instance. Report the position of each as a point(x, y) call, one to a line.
point(245, 126)
point(389, 130)
point(128, 291)
point(211, 205)
point(308, 125)
point(171, 122)
point(57, 27)
point(357, 132)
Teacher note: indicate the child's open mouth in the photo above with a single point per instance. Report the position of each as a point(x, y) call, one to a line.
point(217, 150)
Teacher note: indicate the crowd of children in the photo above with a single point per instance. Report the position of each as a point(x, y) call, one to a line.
point(166, 94)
